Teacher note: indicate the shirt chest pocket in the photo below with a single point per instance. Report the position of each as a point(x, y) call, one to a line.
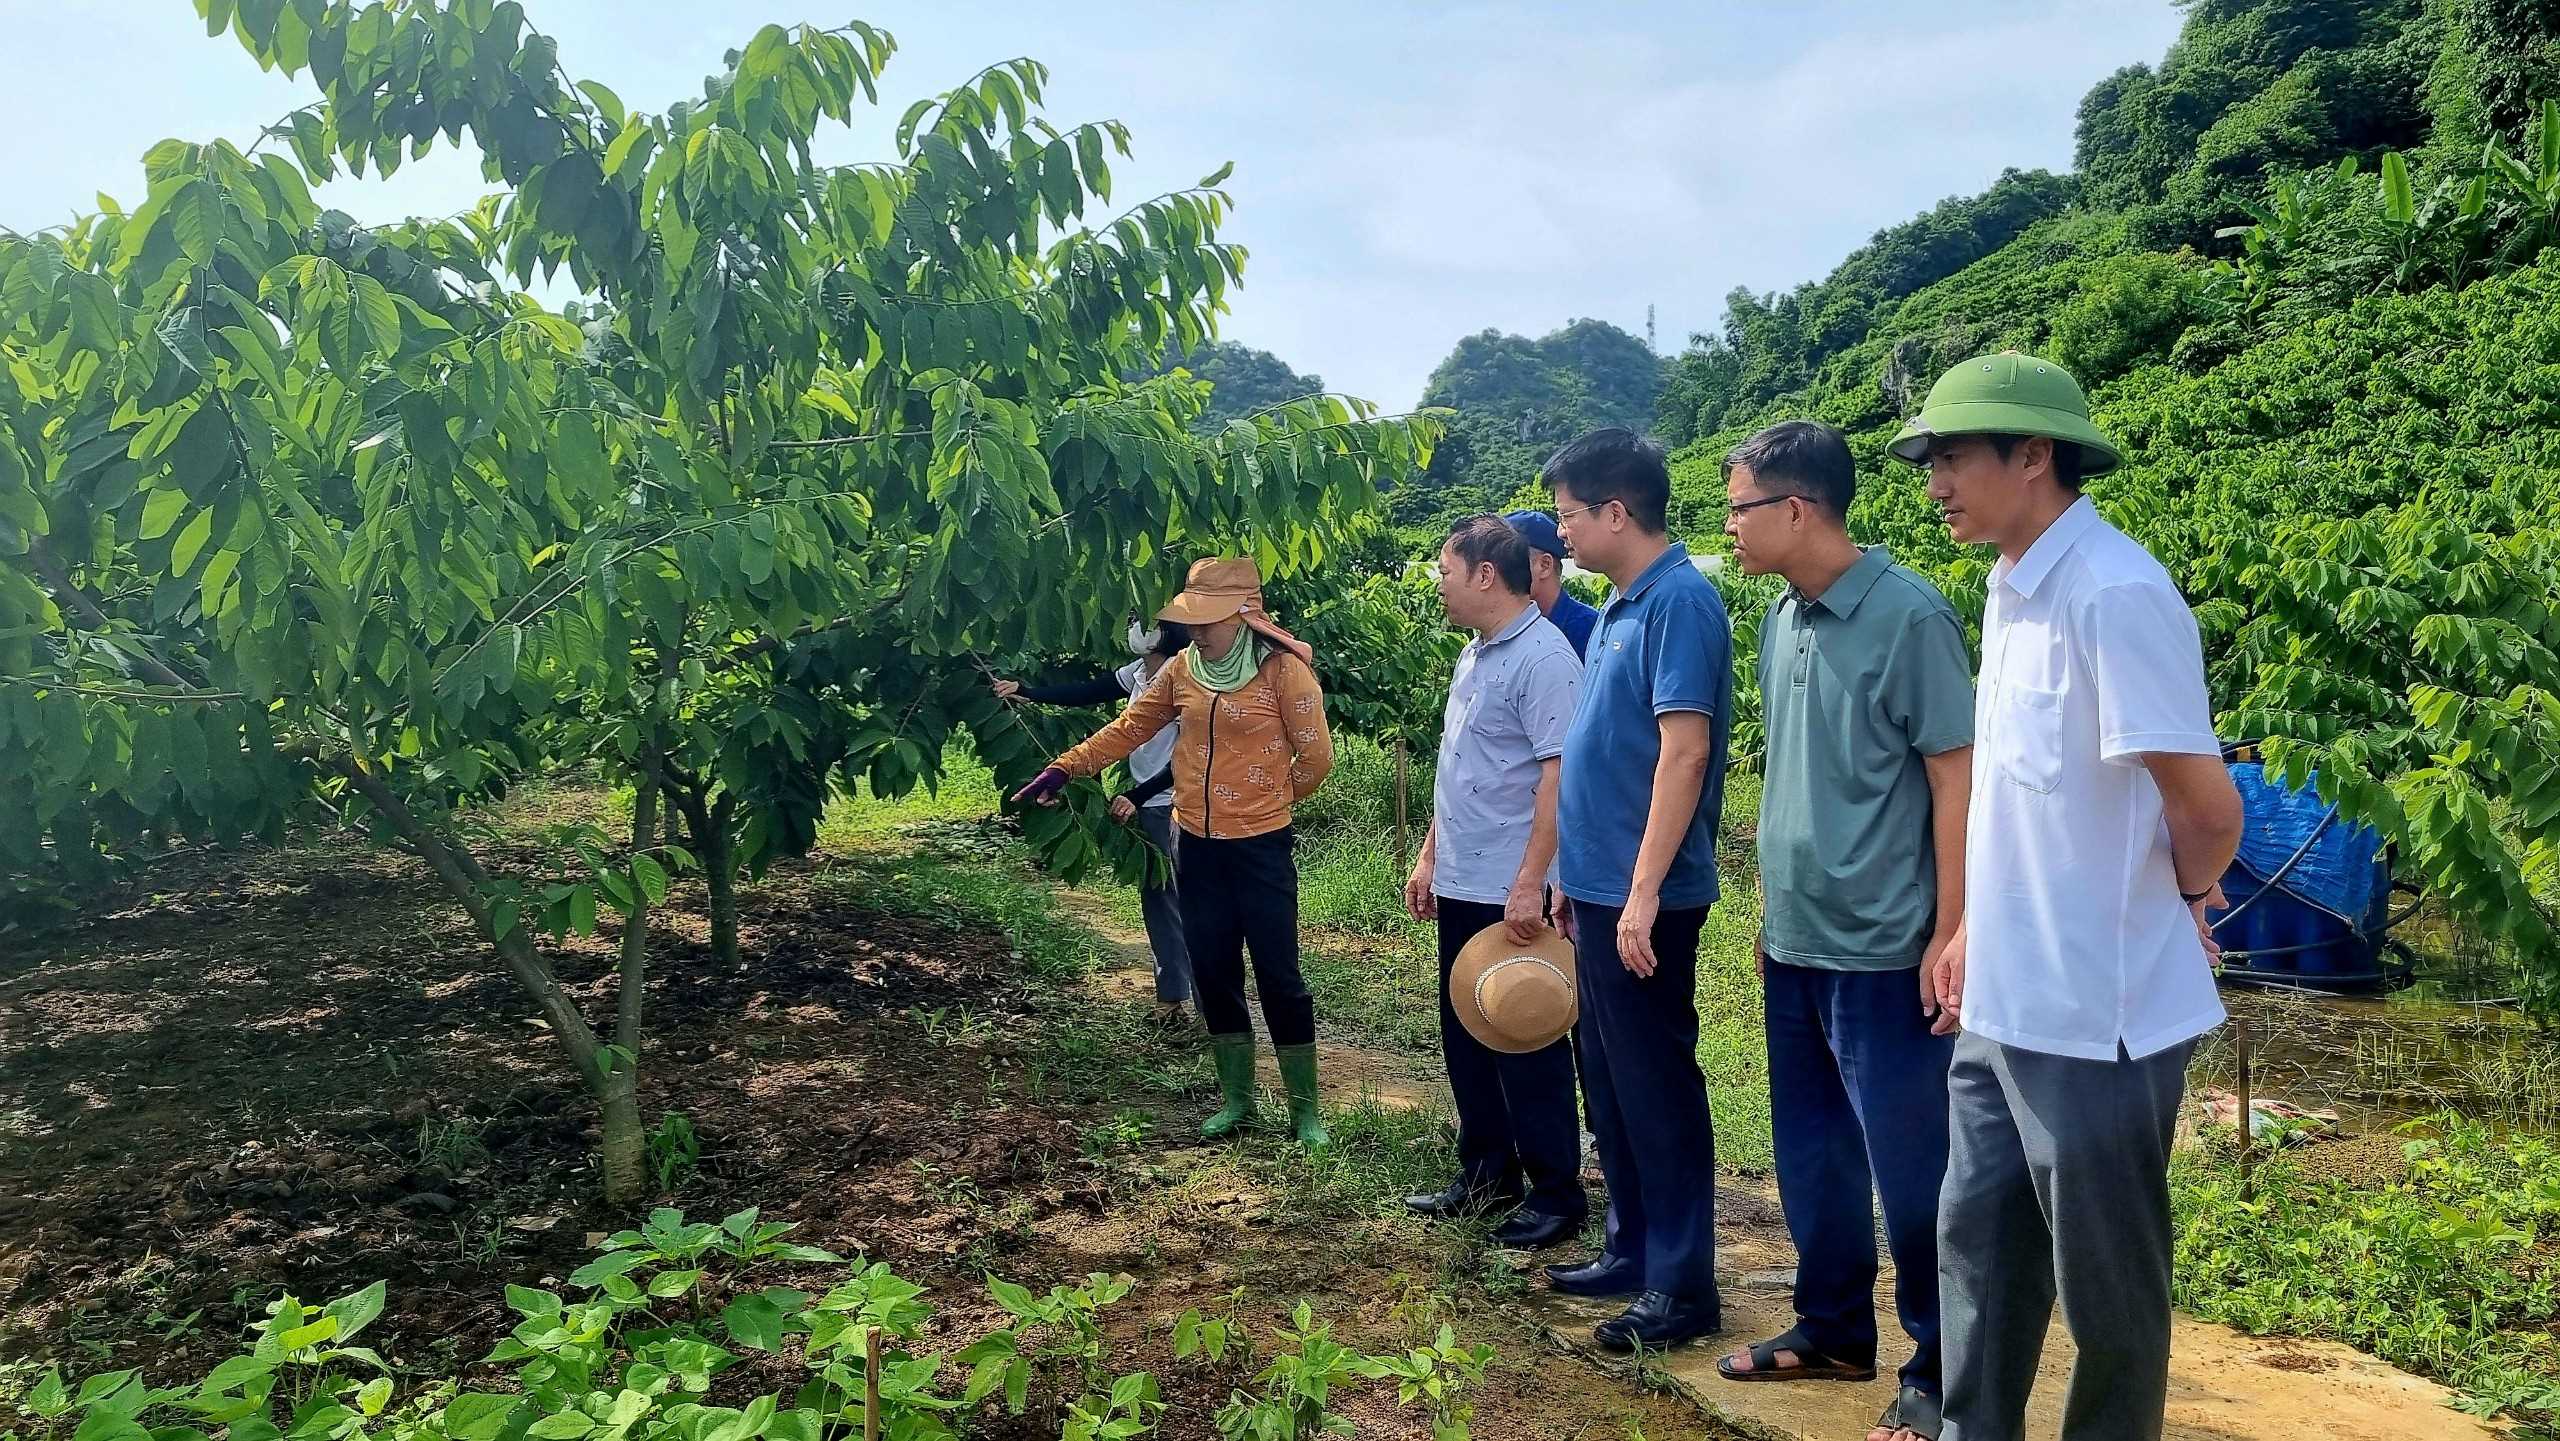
point(2031, 738)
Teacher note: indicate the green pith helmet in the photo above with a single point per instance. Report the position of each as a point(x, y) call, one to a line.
point(2007, 394)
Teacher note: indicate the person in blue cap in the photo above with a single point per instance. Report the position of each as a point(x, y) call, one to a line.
point(1546, 578)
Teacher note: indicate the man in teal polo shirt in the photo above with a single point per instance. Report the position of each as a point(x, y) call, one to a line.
point(1867, 698)
point(1642, 790)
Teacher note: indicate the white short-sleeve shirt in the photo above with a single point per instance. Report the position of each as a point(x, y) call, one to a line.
point(2076, 941)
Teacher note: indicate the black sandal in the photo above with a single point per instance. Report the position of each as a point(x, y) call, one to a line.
point(1811, 1365)
point(1915, 1411)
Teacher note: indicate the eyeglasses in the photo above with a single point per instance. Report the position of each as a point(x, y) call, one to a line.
point(1563, 515)
point(1756, 504)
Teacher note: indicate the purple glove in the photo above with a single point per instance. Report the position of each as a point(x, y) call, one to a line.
point(1044, 787)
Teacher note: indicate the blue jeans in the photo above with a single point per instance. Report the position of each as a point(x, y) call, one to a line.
point(1161, 903)
point(1858, 1110)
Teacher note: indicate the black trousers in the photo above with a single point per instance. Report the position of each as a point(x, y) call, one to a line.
point(1239, 895)
point(1648, 1099)
point(1517, 1131)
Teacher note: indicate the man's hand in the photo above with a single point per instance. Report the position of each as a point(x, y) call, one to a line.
point(1760, 957)
point(1635, 933)
point(1942, 979)
point(2214, 900)
point(1419, 903)
point(1525, 909)
point(1007, 689)
point(1929, 1002)
point(1560, 915)
point(1123, 809)
point(1044, 787)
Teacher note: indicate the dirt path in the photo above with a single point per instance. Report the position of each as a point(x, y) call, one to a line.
point(2224, 1385)
point(1346, 1073)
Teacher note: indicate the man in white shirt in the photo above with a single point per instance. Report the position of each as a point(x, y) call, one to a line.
point(2102, 819)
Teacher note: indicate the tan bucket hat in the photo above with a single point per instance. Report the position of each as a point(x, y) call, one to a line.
point(1514, 997)
point(1230, 589)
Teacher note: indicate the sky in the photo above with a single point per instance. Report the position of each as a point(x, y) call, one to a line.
point(1406, 173)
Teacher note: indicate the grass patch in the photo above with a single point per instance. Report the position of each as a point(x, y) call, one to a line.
point(2449, 1271)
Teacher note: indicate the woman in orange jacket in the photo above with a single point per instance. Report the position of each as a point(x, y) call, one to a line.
point(1252, 743)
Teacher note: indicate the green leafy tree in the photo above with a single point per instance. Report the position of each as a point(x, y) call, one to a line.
point(2411, 663)
point(299, 515)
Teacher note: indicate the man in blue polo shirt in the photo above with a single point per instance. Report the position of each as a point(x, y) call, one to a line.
point(1643, 788)
point(1546, 578)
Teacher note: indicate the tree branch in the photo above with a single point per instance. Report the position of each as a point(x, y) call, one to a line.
point(67, 592)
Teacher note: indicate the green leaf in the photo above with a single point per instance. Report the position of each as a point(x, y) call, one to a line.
point(2399, 201)
point(295, 1338)
point(356, 1310)
point(191, 543)
point(102, 1424)
point(375, 1395)
point(607, 103)
point(160, 510)
point(194, 217)
point(564, 1426)
point(612, 1263)
point(48, 1399)
point(673, 1283)
point(479, 1416)
point(1014, 1298)
point(753, 1322)
point(578, 452)
point(1217, 177)
point(651, 877)
point(21, 509)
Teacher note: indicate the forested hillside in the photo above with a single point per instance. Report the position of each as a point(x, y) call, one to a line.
point(1514, 399)
point(1241, 380)
point(2306, 269)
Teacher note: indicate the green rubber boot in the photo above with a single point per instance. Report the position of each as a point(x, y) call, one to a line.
point(1234, 1055)
point(1298, 1073)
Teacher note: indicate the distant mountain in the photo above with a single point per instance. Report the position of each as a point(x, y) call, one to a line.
point(1517, 400)
point(1244, 379)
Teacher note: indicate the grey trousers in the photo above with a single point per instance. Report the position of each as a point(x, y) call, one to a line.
point(1162, 906)
point(2057, 1182)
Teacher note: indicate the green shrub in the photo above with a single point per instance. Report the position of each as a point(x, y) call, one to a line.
point(2130, 309)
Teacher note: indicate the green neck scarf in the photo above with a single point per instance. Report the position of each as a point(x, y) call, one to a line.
point(1229, 675)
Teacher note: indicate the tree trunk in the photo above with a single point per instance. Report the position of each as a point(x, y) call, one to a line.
point(708, 821)
point(463, 877)
point(625, 1168)
point(719, 877)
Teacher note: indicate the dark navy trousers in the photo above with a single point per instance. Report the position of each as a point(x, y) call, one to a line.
point(1858, 1111)
point(1517, 1131)
point(1647, 1099)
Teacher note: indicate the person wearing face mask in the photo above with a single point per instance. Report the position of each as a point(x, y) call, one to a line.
point(1251, 743)
point(1148, 801)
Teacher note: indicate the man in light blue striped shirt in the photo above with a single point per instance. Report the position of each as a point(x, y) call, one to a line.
point(1484, 862)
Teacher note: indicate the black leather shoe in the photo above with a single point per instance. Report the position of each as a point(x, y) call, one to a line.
point(1603, 1275)
point(1456, 1201)
point(1526, 1230)
point(1659, 1321)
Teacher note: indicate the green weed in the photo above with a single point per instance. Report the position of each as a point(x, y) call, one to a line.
point(2441, 1273)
